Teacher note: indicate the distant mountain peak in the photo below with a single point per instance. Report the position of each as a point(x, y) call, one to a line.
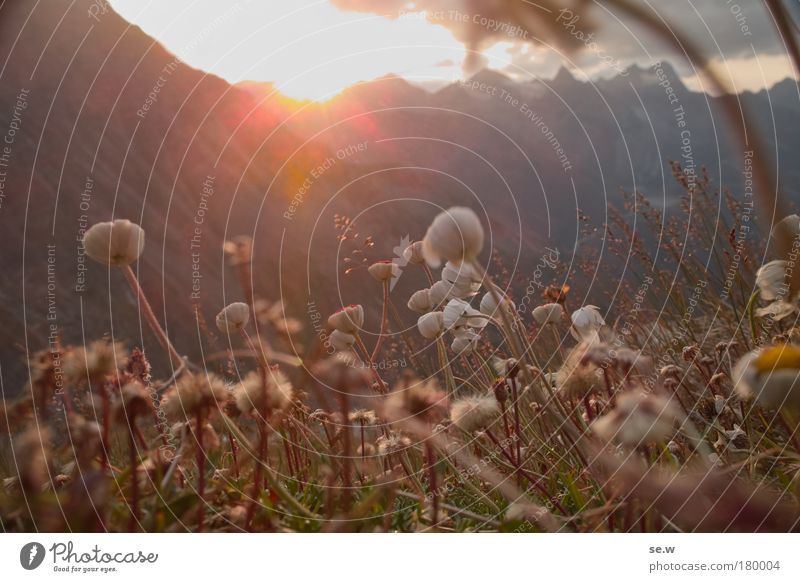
point(491, 77)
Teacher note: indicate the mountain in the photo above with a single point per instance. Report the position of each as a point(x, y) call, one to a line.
point(107, 123)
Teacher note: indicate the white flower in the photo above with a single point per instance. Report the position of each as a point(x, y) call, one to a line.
point(586, 322)
point(117, 243)
point(342, 341)
point(638, 418)
point(465, 341)
point(454, 313)
point(770, 375)
point(431, 325)
point(771, 280)
point(458, 313)
point(413, 253)
point(489, 304)
point(438, 293)
point(420, 301)
point(348, 319)
point(383, 271)
point(548, 313)
point(233, 318)
point(455, 234)
point(461, 279)
point(474, 413)
point(791, 225)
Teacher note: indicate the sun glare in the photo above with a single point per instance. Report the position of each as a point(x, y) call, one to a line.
point(308, 48)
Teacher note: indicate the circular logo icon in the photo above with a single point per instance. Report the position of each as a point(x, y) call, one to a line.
point(31, 555)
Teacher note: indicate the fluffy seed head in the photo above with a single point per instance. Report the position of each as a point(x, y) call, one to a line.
point(638, 418)
point(264, 398)
point(474, 412)
point(455, 235)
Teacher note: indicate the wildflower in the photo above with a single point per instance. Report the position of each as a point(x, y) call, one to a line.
point(578, 377)
point(489, 305)
point(348, 319)
point(341, 340)
point(771, 280)
point(431, 325)
point(383, 271)
point(413, 253)
point(770, 375)
point(462, 280)
point(474, 413)
point(233, 318)
point(264, 397)
point(193, 394)
point(117, 244)
point(439, 293)
point(548, 313)
point(455, 234)
point(420, 302)
point(586, 322)
point(465, 341)
point(637, 418)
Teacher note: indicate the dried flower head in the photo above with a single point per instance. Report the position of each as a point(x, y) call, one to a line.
point(118, 243)
point(134, 400)
point(421, 400)
point(363, 417)
point(474, 413)
point(193, 394)
point(265, 398)
point(638, 418)
point(392, 444)
point(579, 377)
point(99, 359)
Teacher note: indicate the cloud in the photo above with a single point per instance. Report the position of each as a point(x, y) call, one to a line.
point(594, 38)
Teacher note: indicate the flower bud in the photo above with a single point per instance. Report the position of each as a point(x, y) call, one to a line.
point(233, 318)
point(348, 319)
point(431, 325)
point(116, 243)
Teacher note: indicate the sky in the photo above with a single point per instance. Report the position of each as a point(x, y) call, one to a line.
point(312, 49)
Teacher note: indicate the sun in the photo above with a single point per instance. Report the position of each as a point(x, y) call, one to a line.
point(308, 48)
